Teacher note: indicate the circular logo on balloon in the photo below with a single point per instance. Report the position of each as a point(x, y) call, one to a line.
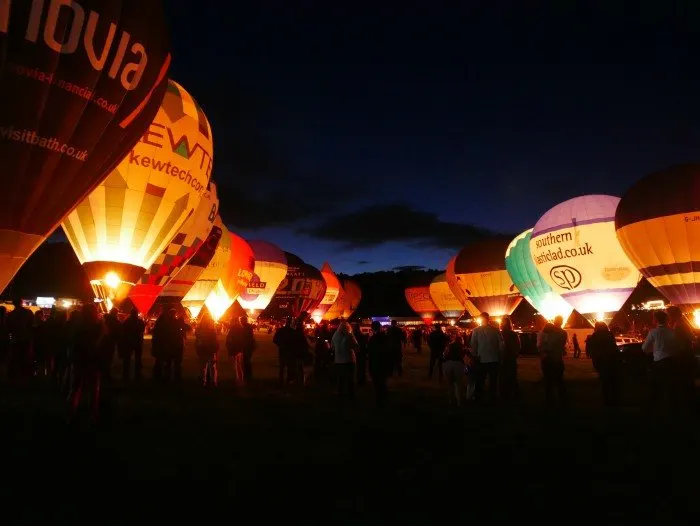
point(254, 289)
point(565, 276)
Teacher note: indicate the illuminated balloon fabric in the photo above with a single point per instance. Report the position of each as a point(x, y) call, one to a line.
point(338, 309)
point(81, 81)
point(180, 285)
point(446, 302)
point(212, 275)
point(353, 296)
point(270, 270)
point(420, 301)
point(332, 292)
point(658, 226)
point(300, 292)
point(480, 272)
point(178, 253)
point(576, 251)
point(458, 291)
point(530, 283)
point(129, 219)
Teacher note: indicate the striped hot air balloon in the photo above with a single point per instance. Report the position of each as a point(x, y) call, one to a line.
point(658, 226)
point(178, 253)
point(480, 274)
point(120, 229)
point(270, 270)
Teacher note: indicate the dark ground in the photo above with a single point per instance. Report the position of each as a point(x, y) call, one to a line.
point(261, 453)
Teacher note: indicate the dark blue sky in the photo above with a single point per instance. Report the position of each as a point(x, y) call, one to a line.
point(374, 137)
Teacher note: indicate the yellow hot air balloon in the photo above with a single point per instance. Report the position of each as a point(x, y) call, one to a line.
point(270, 270)
point(458, 291)
point(444, 299)
point(210, 279)
point(120, 229)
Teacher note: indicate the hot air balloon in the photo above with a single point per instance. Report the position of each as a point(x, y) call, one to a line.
point(658, 226)
point(128, 220)
point(530, 283)
point(178, 253)
point(211, 276)
point(480, 273)
point(81, 81)
point(576, 251)
point(331, 295)
point(458, 291)
point(337, 310)
point(444, 299)
point(419, 300)
point(180, 285)
point(234, 280)
point(353, 296)
point(300, 292)
point(270, 270)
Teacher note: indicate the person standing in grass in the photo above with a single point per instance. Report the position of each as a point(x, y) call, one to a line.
point(380, 362)
point(206, 346)
point(345, 346)
point(453, 367)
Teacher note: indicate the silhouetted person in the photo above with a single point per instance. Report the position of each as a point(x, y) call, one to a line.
point(56, 329)
point(40, 345)
point(437, 342)
point(110, 341)
point(207, 346)
point(19, 327)
point(551, 343)
point(240, 343)
point(685, 363)
point(344, 349)
point(486, 347)
point(360, 355)
point(322, 352)
point(300, 351)
point(284, 340)
point(158, 343)
point(602, 349)
point(381, 362)
point(661, 345)
point(576, 346)
point(132, 344)
point(87, 361)
point(509, 361)
point(397, 339)
point(453, 365)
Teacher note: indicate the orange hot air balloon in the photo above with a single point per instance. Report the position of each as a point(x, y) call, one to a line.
point(130, 218)
point(332, 292)
point(458, 292)
point(177, 254)
point(444, 299)
point(480, 273)
point(353, 296)
point(234, 279)
point(80, 81)
point(658, 226)
point(337, 310)
point(422, 304)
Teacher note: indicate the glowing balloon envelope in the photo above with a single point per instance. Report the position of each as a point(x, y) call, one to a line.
point(80, 82)
point(480, 274)
point(129, 219)
point(419, 300)
point(270, 270)
point(300, 292)
point(658, 225)
point(444, 299)
point(211, 276)
point(331, 295)
point(458, 291)
point(576, 251)
point(530, 283)
point(177, 254)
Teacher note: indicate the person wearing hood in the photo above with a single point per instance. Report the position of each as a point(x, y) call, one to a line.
point(551, 344)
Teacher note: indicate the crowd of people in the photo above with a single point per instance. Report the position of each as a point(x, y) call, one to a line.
point(78, 351)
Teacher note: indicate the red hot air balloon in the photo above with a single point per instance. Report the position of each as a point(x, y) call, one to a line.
point(300, 291)
point(81, 80)
point(422, 303)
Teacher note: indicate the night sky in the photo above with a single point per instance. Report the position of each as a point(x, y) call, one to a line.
point(393, 135)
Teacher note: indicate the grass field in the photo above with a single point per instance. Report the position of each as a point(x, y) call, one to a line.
point(263, 452)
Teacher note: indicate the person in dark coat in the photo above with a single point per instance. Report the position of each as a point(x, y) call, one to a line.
point(437, 342)
point(240, 343)
point(206, 347)
point(381, 361)
point(509, 361)
point(110, 341)
point(284, 340)
point(684, 361)
point(397, 339)
point(360, 355)
point(132, 344)
point(551, 344)
point(576, 346)
point(417, 339)
point(322, 352)
point(602, 349)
